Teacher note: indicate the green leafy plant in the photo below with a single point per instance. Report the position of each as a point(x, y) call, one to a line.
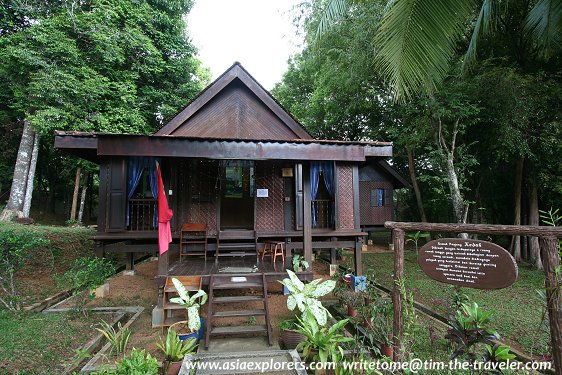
point(496, 354)
point(305, 296)
point(191, 303)
point(175, 349)
point(117, 338)
point(322, 343)
point(86, 273)
point(416, 237)
point(299, 263)
point(470, 326)
point(137, 362)
point(251, 320)
point(14, 251)
point(381, 315)
point(458, 299)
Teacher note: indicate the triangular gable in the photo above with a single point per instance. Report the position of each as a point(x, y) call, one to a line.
point(235, 106)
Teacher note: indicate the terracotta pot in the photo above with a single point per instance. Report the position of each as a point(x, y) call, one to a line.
point(291, 339)
point(387, 351)
point(173, 368)
point(351, 311)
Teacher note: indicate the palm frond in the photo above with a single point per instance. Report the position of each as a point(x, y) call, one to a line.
point(544, 23)
point(332, 14)
point(416, 40)
point(485, 25)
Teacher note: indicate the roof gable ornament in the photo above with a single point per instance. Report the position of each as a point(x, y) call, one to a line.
point(235, 106)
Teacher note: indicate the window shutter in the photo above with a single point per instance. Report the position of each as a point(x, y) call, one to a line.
point(117, 196)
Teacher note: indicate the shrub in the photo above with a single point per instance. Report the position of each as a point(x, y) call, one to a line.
point(86, 273)
point(14, 251)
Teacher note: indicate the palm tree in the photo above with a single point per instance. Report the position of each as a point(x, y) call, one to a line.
point(417, 38)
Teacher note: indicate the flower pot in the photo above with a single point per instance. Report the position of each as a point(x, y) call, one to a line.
point(368, 323)
point(187, 335)
point(351, 311)
point(173, 368)
point(387, 351)
point(291, 339)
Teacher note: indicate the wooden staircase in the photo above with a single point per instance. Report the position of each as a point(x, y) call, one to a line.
point(225, 283)
point(172, 311)
point(235, 243)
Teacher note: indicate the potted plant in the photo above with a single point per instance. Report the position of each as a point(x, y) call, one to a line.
point(299, 264)
point(289, 337)
point(322, 344)
point(382, 318)
point(194, 325)
point(305, 296)
point(174, 350)
point(353, 300)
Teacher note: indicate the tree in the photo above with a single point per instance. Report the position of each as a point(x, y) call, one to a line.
point(108, 66)
point(416, 61)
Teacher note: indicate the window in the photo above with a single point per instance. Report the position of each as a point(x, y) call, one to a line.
point(377, 197)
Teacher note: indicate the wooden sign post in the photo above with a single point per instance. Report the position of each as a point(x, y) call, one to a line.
point(454, 261)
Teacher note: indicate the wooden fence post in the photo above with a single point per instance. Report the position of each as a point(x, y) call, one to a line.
point(551, 260)
point(397, 328)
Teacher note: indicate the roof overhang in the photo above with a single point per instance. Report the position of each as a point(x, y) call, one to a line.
point(93, 146)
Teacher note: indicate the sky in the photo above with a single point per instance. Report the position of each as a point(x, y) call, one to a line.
point(257, 33)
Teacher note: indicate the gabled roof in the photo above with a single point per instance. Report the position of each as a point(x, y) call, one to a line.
point(235, 106)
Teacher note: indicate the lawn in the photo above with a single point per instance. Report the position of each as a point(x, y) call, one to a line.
point(517, 313)
point(36, 343)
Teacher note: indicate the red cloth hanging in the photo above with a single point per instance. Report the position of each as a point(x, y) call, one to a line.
point(165, 214)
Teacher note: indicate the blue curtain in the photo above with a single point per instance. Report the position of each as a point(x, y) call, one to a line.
point(315, 168)
point(327, 170)
point(136, 166)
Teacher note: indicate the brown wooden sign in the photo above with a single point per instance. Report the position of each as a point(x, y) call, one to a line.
point(469, 263)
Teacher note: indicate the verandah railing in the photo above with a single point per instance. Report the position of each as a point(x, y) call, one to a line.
point(141, 214)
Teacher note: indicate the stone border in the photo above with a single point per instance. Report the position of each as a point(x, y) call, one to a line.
point(125, 313)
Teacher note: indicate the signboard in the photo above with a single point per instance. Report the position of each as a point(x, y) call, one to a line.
point(469, 263)
point(262, 193)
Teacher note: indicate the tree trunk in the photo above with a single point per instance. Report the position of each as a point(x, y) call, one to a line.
point(415, 186)
point(31, 177)
point(534, 248)
point(83, 200)
point(516, 240)
point(75, 194)
point(14, 207)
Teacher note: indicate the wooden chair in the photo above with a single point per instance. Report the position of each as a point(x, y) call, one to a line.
point(193, 234)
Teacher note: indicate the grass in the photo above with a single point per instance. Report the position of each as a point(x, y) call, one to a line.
point(517, 313)
point(38, 343)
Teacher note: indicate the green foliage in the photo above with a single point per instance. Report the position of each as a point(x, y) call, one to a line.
point(15, 247)
point(322, 343)
point(470, 326)
point(86, 273)
point(191, 303)
point(415, 237)
point(138, 362)
point(306, 296)
point(117, 338)
point(299, 262)
point(175, 349)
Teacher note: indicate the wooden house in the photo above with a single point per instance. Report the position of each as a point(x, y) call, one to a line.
point(234, 160)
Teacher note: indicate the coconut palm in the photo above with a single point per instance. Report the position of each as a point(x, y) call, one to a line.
point(417, 38)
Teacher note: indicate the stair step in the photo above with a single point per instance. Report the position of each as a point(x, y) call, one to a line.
point(234, 299)
point(236, 330)
point(235, 285)
point(172, 306)
point(237, 254)
point(237, 245)
point(233, 313)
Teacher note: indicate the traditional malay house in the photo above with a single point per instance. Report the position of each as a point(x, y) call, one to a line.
point(241, 174)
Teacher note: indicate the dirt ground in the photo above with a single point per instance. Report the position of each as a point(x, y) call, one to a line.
point(141, 290)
